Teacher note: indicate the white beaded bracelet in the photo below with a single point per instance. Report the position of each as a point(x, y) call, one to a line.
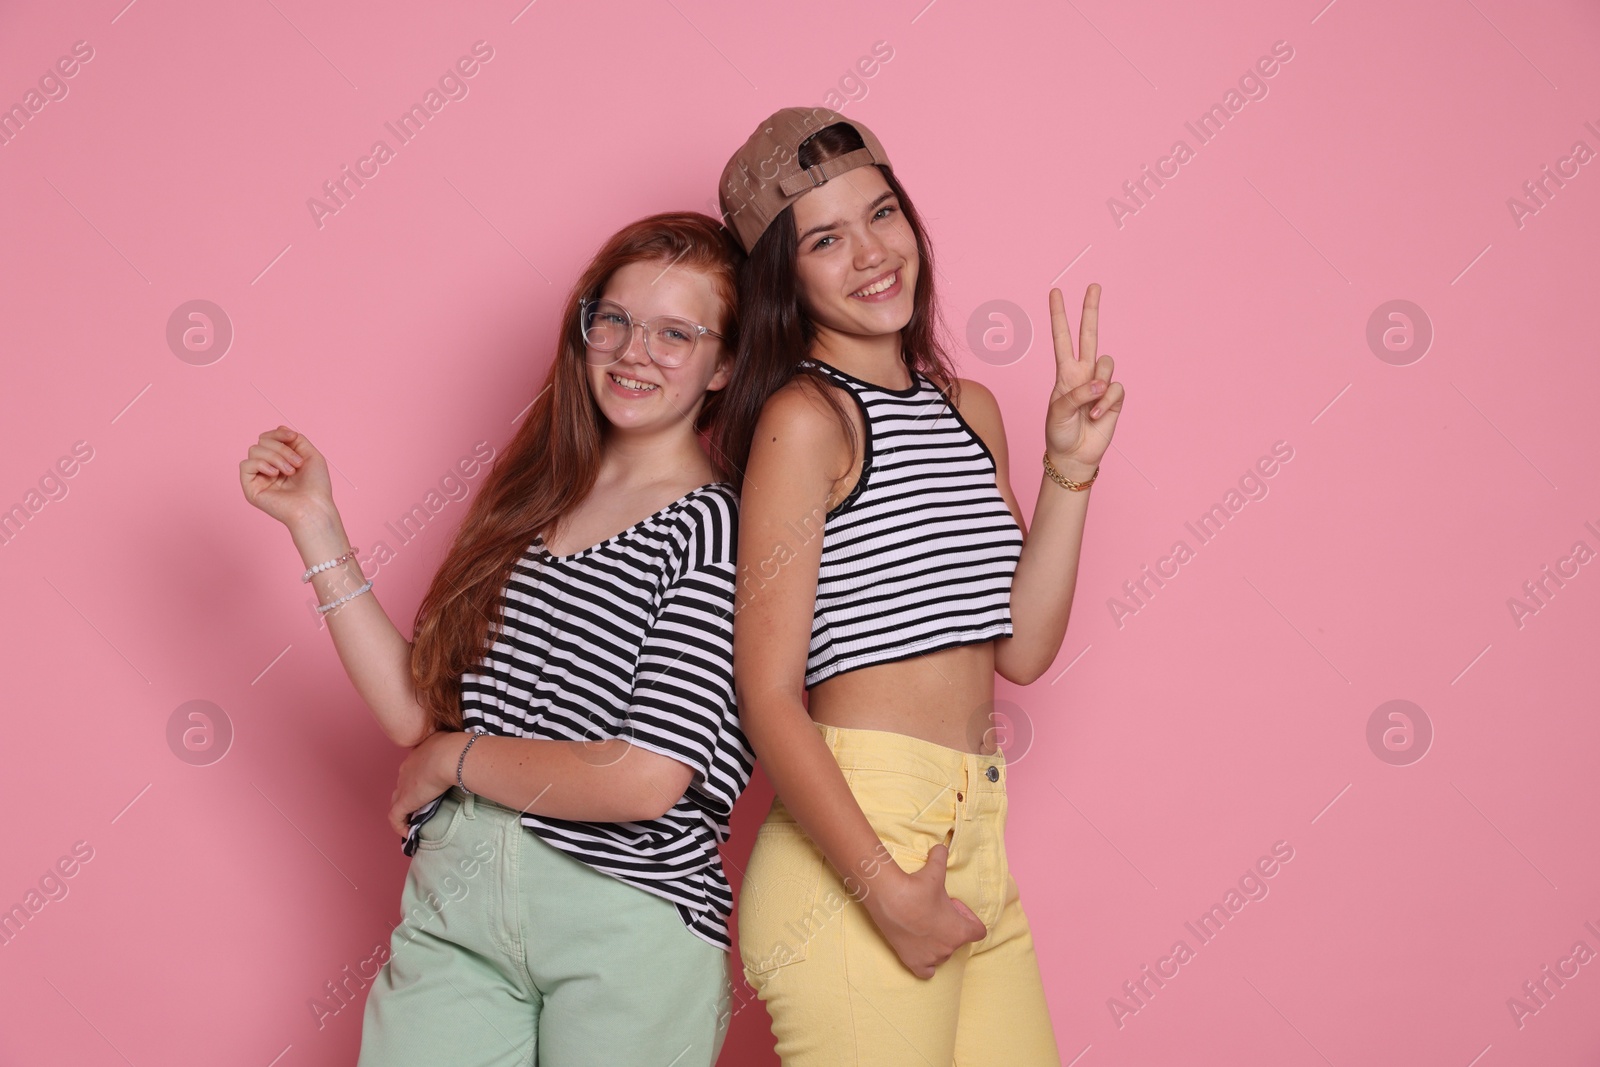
point(319, 568)
point(325, 608)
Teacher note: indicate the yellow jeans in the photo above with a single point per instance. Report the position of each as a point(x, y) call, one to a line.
point(836, 991)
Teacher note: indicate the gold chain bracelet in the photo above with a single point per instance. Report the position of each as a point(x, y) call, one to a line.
point(1065, 482)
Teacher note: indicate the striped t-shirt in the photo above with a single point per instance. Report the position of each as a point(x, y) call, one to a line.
point(631, 638)
point(920, 556)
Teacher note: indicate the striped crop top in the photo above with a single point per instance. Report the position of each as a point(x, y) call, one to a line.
point(919, 557)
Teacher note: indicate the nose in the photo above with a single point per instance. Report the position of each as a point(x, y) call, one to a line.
point(870, 250)
point(636, 350)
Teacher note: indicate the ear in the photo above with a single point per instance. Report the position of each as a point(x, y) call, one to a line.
point(724, 373)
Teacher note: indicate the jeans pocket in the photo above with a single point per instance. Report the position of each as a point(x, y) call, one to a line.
point(781, 907)
point(441, 825)
point(907, 858)
point(909, 812)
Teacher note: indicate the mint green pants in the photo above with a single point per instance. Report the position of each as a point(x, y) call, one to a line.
point(509, 952)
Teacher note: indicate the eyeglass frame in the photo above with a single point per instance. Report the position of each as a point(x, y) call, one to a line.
point(583, 310)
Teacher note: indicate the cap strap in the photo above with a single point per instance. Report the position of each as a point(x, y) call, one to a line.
point(830, 168)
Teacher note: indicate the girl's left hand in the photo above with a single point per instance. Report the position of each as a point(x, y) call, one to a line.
point(1085, 401)
point(429, 770)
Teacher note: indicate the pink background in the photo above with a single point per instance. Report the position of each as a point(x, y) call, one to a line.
point(1229, 713)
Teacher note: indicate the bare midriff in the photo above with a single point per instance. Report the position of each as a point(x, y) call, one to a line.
point(945, 697)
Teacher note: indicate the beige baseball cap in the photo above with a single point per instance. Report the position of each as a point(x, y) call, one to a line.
point(765, 176)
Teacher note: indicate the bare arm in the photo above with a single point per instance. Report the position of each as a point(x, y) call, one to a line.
point(1047, 571)
point(1082, 415)
point(285, 476)
point(601, 781)
point(795, 462)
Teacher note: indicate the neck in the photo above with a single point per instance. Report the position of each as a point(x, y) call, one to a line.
point(873, 358)
point(635, 459)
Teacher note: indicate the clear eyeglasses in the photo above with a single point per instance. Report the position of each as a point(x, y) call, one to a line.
point(608, 328)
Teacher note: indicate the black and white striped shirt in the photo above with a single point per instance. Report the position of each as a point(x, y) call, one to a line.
point(919, 557)
point(631, 638)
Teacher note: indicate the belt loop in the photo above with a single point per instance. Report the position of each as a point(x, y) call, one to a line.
point(468, 805)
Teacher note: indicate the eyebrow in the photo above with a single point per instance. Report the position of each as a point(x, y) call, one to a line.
point(834, 224)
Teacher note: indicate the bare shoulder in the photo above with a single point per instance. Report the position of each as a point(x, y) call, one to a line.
point(799, 406)
point(977, 404)
point(791, 481)
point(799, 422)
point(972, 393)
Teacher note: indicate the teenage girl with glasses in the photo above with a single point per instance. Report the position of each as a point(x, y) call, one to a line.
point(886, 575)
point(574, 762)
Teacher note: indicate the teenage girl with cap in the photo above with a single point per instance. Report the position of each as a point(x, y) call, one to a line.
point(886, 575)
point(574, 768)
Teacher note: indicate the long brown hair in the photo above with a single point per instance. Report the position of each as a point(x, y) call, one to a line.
point(778, 333)
point(551, 463)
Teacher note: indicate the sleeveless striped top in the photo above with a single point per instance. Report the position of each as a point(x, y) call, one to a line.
point(919, 557)
point(631, 638)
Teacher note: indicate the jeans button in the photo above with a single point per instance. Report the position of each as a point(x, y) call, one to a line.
point(993, 773)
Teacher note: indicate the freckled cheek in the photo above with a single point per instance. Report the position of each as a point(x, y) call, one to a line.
point(677, 382)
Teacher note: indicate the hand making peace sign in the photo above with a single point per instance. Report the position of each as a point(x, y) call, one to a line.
point(1085, 401)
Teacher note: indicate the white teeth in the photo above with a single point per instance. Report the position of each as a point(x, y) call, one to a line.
point(878, 287)
point(632, 383)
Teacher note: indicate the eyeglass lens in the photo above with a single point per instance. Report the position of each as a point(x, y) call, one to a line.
point(607, 328)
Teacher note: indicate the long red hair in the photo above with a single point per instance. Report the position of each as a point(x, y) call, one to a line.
point(551, 463)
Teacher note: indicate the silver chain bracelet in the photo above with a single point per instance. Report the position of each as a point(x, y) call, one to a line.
point(462, 761)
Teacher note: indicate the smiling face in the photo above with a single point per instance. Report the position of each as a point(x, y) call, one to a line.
point(856, 262)
point(634, 392)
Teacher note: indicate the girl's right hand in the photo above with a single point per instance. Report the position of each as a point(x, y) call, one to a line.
point(921, 922)
point(286, 477)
